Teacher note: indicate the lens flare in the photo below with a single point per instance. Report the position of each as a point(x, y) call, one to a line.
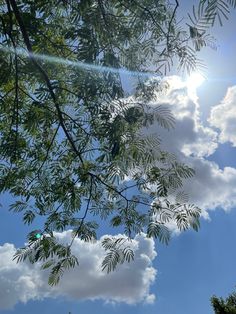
point(77, 64)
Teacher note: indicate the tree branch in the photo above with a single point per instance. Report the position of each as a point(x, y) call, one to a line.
point(43, 74)
point(170, 22)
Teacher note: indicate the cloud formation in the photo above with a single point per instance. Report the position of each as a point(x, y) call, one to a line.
point(211, 187)
point(193, 142)
point(23, 282)
point(223, 117)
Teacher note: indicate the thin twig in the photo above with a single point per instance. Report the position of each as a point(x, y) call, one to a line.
point(85, 213)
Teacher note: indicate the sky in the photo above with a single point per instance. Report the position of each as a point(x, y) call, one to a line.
point(176, 279)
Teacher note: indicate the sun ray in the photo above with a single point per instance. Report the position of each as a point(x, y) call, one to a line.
point(78, 64)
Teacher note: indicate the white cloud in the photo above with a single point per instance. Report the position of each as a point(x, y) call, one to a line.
point(212, 187)
point(130, 283)
point(18, 282)
point(193, 142)
point(190, 136)
point(223, 117)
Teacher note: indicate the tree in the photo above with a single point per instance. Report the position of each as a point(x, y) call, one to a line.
point(227, 306)
point(73, 150)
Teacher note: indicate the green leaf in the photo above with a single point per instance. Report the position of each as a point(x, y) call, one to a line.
point(28, 217)
point(159, 231)
point(116, 221)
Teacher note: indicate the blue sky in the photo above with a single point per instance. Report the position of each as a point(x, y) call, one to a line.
point(194, 266)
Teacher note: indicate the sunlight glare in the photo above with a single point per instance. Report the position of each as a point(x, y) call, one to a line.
point(195, 80)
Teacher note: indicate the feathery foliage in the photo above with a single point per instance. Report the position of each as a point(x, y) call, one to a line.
point(224, 306)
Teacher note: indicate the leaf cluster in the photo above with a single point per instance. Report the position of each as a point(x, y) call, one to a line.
point(224, 306)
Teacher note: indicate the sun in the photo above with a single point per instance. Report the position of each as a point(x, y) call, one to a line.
point(195, 80)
